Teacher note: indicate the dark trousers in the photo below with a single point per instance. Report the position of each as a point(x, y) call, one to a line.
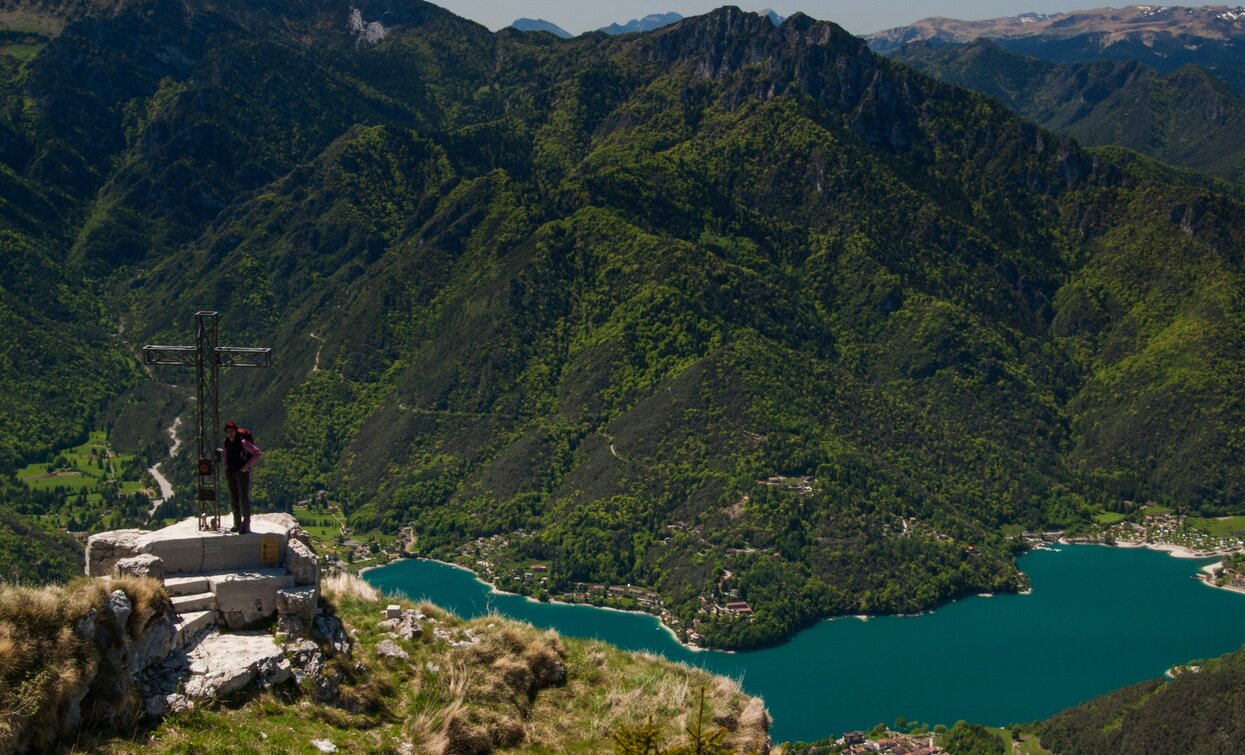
point(240, 497)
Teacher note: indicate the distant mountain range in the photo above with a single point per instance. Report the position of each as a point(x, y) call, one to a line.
point(650, 22)
point(1187, 118)
point(540, 24)
point(1212, 22)
point(1164, 38)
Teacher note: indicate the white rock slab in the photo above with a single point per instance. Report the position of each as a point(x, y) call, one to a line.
point(225, 663)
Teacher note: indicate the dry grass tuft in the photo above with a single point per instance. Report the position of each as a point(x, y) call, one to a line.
point(478, 697)
point(518, 662)
point(345, 585)
point(45, 666)
point(752, 732)
point(53, 641)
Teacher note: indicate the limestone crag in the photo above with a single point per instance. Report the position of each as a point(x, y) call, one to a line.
point(296, 609)
point(405, 624)
point(217, 583)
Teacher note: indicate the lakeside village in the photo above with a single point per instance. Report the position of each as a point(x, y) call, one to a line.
point(1162, 528)
point(489, 558)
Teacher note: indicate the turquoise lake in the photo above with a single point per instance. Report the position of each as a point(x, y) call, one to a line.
point(1098, 618)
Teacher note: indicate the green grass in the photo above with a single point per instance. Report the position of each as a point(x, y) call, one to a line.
point(1029, 744)
point(76, 472)
point(1108, 518)
point(22, 51)
point(1230, 525)
point(73, 481)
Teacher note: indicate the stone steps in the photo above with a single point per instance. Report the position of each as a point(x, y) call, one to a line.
point(222, 587)
point(192, 603)
point(190, 624)
point(240, 597)
point(186, 585)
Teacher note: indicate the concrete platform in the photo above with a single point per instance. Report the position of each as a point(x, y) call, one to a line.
point(185, 549)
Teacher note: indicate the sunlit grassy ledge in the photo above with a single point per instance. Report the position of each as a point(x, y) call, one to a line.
point(464, 686)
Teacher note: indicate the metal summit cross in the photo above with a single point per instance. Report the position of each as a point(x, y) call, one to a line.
point(207, 357)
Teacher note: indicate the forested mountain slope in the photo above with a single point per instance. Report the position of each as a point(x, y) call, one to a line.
point(601, 290)
point(1196, 713)
point(1187, 118)
point(32, 555)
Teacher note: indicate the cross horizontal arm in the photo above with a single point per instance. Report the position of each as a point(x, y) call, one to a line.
point(239, 356)
point(178, 355)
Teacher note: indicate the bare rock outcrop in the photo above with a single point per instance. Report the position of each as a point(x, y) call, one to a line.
point(222, 664)
point(104, 550)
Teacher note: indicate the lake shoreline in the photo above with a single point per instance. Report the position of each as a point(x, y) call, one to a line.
point(495, 590)
point(1171, 549)
point(1175, 551)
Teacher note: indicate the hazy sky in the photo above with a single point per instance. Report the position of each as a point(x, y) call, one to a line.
point(857, 16)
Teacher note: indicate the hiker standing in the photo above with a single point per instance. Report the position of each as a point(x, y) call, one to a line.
point(240, 455)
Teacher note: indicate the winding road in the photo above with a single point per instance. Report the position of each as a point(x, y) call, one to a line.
point(166, 487)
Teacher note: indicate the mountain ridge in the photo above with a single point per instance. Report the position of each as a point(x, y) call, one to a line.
point(1188, 118)
point(647, 23)
point(540, 24)
point(614, 294)
point(1211, 21)
point(1163, 38)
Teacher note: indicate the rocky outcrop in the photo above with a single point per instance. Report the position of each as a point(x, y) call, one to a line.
point(104, 550)
point(296, 609)
point(302, 562)
point(180, 645)
point(405, 625)
point(222, 664)
point(141, 565)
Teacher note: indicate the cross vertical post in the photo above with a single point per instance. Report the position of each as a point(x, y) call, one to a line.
point(207, 338)
point(207, 356)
